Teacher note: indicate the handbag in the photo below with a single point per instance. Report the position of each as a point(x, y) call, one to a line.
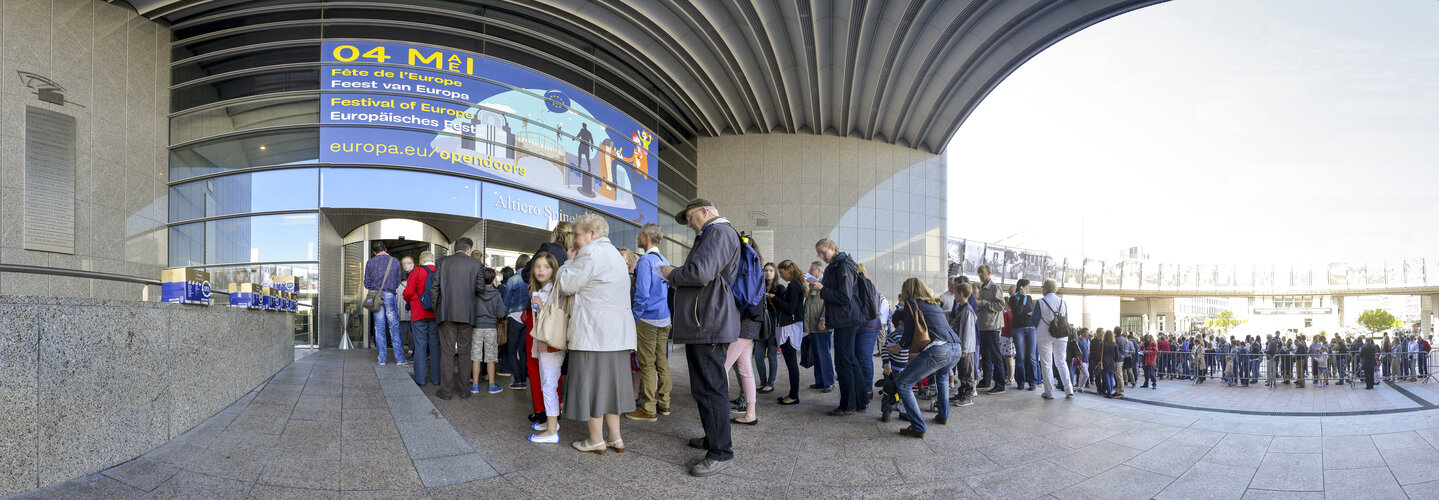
point(373, 302)
point(552, 324)
point(500, 329)
point(806, 352)
point(920, 339)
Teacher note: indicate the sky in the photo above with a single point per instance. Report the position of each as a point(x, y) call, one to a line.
point(1216, 131)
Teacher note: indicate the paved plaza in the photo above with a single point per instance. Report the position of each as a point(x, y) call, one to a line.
point(335, 425)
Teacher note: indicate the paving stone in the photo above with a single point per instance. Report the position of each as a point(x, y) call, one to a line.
point(142, 473)
point(1365, 484)
point(190, 484)
point(302, 473)
point(1397, 440)
point(1094, 459)
point(1290, 472)
point(1256, 494)
point(1423, 491)
point(432, 439)
point(849, 471)
point(1296, 444)
point(368, 423)
point(1170, 458)
point(494, 487)
point(1144, 437)
point(1209, 480)
point(240, 461)
point(1119, 482)
point(91, 486)
point(455, 469)
point(413, 408)
point(1413, 464)
point(314, 407)
point(315, 440)
point(279, 395)
point(1024, 451)
point(1008, 484)
point(1351, 452)
point(1242, 450)
point(269, 492)
point(176, 452)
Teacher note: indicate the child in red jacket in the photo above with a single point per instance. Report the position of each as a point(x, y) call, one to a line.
point(1151, 352)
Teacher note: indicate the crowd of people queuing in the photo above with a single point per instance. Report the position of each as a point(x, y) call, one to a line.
point(584, 326)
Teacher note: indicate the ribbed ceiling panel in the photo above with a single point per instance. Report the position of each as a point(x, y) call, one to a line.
point(899, 71)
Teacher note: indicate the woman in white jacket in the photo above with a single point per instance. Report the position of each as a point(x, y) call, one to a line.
point(1052, 351)
point(601, 334)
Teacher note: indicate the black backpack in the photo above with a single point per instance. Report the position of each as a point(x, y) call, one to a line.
point(868, 297)
point(1059, 328)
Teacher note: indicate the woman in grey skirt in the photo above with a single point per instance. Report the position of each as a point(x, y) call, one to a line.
point(601, 334)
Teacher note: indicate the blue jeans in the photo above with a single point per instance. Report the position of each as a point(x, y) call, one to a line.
point(937, 359)
point(846, 367)
point(1026, 356)
point(515, 351)
point(864, 349)
point(823, 360)
point(766, 365)
point(427, 346)
point(387, 328)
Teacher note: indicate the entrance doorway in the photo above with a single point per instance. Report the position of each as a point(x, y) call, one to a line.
point(402, 238)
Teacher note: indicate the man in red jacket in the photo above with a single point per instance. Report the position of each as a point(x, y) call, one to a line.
point(422, 324)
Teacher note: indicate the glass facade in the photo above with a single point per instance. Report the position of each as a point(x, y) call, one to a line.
point(247, 184)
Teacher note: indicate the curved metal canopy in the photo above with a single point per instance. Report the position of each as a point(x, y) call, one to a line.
point(899, 71)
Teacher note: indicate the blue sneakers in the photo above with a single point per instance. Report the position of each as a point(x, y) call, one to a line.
point(474, 389)
point(495, 389)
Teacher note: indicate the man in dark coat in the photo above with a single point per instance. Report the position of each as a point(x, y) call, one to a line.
point(707, 322)
point(458, 280)
point(1366, 362)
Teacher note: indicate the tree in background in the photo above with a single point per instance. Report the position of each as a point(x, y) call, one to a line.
point(1224, 322)
point(1378, 319)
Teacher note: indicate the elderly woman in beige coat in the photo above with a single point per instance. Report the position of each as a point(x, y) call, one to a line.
point(601, 334)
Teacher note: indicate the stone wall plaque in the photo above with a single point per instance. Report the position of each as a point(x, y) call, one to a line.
point(49, 181)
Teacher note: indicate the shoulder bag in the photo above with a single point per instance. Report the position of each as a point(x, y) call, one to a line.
point(373, 302)
point(552, 324)
point(920, 339)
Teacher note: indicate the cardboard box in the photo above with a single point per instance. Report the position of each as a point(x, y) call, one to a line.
point(270, 299)
point(246, 295)
point(287, 284)
point(183, 285)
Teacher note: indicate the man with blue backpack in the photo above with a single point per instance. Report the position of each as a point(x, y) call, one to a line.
point(719, 277)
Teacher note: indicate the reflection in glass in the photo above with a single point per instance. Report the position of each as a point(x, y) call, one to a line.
point(187, 245)
point(287, 147)
point(267, 191)
point(224, 89)
point(399, 190)
point(307, 278)
point(271, 112)
point(267, 238)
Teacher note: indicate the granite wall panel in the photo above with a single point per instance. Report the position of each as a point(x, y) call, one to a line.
point(874, 199)
point(111, 380)
point(113, 66)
